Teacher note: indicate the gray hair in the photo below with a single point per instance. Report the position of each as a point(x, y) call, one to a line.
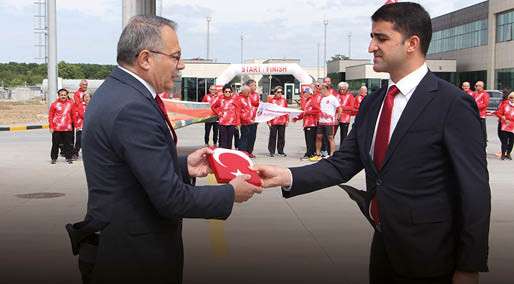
point(342, 84)
point(142, 32)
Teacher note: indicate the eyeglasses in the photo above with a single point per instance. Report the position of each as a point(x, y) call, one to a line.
point(279, 92)
point(176, 57)
point(227, 91)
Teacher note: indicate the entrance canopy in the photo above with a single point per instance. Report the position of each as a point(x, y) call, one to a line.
point(264, 69)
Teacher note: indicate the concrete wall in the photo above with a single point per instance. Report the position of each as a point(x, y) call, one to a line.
point(341, 65)
point(364, 71)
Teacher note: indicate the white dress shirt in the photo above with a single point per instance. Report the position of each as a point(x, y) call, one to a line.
point(407, 85)
point(148, 86)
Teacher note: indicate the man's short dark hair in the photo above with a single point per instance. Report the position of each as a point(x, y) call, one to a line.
point(227, 86)
point(250, 81)
point(409, 19)
point(63, 90)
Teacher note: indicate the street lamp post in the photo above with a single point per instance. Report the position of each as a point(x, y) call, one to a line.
point(325, 23)
point(350, 45)
point(209, 19)
point(242, 39)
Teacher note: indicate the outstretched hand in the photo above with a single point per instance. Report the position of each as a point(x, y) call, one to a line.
point(242, 189)
point(273, 176)
point(198, 164)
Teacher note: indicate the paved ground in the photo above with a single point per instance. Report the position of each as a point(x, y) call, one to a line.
point(318, 238)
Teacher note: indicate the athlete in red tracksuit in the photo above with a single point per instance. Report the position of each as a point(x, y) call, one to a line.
point(278, 125)
point(506, 115)
point(363, 91)
point(78, 121)
point(228, 109)
point(60, 119)
point(482, 100)
point(210, 98)
point(346, 101)
point(310, 116)
point(251, 100)
point(466, 88)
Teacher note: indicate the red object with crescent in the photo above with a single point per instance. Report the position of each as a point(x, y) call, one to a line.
point(227, 164)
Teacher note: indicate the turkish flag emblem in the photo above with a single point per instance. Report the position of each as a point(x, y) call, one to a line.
point(228, 164)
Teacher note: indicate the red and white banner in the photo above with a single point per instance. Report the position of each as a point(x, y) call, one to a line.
point(269, 111)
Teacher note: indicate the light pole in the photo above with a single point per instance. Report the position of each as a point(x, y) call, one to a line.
point(269, 90)
point(242, 39)
point(209, 19)
point(325, 23)
point(317, 60)
point(350, 45)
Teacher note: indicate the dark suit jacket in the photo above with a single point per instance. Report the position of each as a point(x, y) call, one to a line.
point(433, 189)
point(139, 189)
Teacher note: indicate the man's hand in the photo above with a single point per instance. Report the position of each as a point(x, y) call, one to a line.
point(272, 176)
point(197, 163)
point(461, 277)
point(243, 190)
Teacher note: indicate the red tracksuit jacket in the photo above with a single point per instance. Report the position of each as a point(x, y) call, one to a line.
point(357, 103)
point(507, 110)
point(482, 100)
point(78, 118)
point(228, 110)
point(60, 115)
point(346, 101)
point(311, 110)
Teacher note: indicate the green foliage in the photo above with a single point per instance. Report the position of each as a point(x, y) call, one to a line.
point(18, 74)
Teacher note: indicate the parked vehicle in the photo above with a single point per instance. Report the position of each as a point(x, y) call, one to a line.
point(495, 98)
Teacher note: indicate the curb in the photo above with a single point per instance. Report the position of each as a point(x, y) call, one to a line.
point(23, 127)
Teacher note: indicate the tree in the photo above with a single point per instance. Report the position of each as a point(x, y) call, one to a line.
point(339, 57)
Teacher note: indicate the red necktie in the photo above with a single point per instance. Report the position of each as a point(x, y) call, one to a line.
point(381, 142)
point(160, 103)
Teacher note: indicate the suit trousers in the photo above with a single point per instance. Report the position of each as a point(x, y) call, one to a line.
point(310, 140)
point(342, 134)
point(226, 133)
point(507, 140)
point(66, 139)
point(208, 126)
point(248, 136)
point(275, 142)
point(381, 270)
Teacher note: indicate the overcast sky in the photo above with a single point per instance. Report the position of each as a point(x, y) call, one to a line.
point(88, 30)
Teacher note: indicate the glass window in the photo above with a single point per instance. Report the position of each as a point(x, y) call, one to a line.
point(460, 37)
point(504, 29)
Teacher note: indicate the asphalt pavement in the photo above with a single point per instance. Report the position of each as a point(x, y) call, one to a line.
point(317, 238)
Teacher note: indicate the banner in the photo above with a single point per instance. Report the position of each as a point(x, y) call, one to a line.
point(269, 111)
point(184, 113)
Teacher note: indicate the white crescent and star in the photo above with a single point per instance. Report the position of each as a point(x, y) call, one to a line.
point(218, 151)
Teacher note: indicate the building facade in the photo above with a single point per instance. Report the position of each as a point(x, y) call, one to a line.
point(480, 39)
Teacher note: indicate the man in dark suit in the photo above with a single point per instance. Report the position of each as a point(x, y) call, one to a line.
point(139, 188)
point(420, 144)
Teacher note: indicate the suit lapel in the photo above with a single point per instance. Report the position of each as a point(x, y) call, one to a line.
point(423, 94)
point(126, 78)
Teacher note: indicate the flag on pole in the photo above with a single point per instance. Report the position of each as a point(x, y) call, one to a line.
point(269, 111)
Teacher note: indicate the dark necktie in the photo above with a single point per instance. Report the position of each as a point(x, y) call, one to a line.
point(382, 142)
point(160, 103)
